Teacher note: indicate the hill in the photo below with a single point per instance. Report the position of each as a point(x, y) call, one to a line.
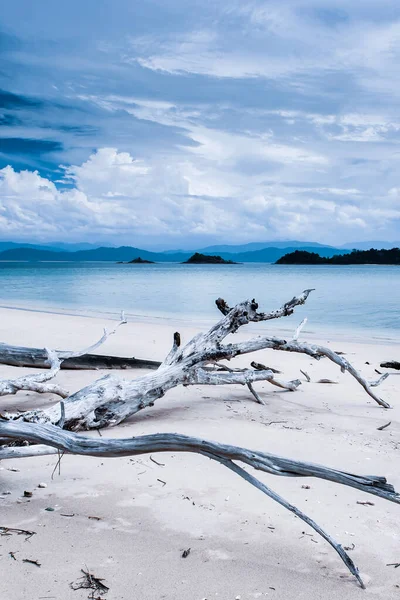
point(254, 246)
point(271, 255)
point(207, 259)
point(141, 261)
point(378, 245)
point(13, 245)
point(52, 246)
point(357, 257)
point(122, 254)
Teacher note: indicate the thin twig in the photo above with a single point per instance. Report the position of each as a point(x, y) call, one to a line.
point(382, 427)
point(156, 462)
point(255, 394)
point(58, 464)
point(306, 375)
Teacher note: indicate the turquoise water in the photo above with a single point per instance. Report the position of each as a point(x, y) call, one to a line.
point(364, 299)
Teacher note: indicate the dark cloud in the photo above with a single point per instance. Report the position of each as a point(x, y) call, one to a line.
point(79, 130)
point(9, 100)
point(7, 120)
point(21, 146)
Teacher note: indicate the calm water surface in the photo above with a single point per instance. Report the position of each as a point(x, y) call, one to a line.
point(362, 299)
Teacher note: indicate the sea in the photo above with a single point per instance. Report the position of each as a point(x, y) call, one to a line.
point(359, 302)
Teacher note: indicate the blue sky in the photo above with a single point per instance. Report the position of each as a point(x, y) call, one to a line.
point(174, 124)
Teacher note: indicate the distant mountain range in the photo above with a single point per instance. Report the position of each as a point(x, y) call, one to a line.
point(373, 244)
point(53, 246)
point(253, 246)
point(268, 252)
point(127, 254)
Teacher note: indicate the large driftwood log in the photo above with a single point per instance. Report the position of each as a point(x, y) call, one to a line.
point(38, 382)
point(56, 440)
point(19, 356)
point(110, 400)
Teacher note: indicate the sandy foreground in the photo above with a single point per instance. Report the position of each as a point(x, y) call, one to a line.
point(243, 545)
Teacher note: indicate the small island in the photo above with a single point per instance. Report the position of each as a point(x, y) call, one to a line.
point(136, 261)
point(356, 257)
point(141, 261)
point(205, 259)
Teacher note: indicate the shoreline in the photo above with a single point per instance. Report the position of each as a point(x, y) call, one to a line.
point(347, 334)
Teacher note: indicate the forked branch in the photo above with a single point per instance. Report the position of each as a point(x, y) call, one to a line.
point(226, 455)
point(38, 381)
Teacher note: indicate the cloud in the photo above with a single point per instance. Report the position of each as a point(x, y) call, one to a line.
point(113, 197)
point(284, 41)
point(237, 120)
point(9, 100)
point(27, 146)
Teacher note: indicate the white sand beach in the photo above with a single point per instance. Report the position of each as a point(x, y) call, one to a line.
point(243, 545)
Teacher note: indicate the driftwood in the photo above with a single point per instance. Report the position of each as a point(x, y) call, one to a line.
point(18, 356)
point(55, 440)
point(306, 375)
point(38, 382)
point(110, 400)
point(392, 364)
point(382, 427)
point(88, 581)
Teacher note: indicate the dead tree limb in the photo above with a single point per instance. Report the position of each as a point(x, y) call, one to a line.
point(110, 400)
point(379, 381)
point(227, 455)
point(37, 382)
point(313, 350)
point(18, 356)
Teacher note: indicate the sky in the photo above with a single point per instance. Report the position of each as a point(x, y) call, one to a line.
point(175, 124)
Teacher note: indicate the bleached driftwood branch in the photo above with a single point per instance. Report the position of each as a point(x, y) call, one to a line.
point(62, 355)
point(37, 382)
point(21, 356)
point(380, 380)
point(54, 440)
point(110, 400)
point(313, 350)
